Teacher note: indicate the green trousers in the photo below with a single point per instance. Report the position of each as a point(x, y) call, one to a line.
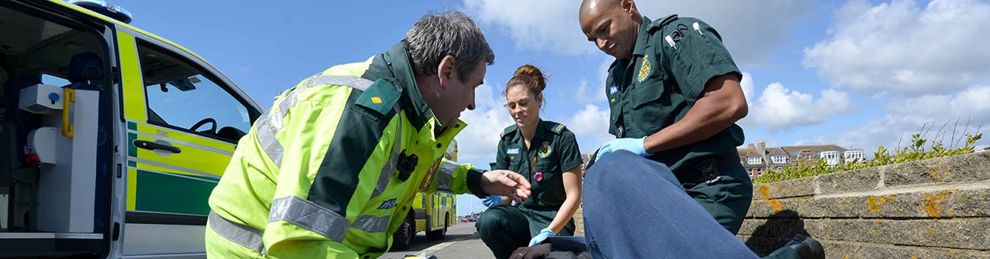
point(505, 228)
point(728, 198)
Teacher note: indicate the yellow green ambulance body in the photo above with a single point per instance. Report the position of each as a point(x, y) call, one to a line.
point(111, 138)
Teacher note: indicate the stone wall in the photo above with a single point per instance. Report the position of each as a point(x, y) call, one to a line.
point(937, 208)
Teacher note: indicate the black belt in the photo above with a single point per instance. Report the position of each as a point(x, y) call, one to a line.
point(707, 170)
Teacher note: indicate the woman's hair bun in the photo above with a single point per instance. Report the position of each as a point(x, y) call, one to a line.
point(531, 75)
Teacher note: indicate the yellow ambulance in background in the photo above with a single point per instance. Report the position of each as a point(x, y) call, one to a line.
point(432, 213)
point(111, 138)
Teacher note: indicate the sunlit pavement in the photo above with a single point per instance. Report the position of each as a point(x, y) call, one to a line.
point(462, 241)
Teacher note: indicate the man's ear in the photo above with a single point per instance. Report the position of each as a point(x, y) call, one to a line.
point(446, 70)
point(628, 6)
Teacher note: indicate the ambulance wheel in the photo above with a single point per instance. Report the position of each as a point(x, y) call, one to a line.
point(439, 234)
point(404, 235)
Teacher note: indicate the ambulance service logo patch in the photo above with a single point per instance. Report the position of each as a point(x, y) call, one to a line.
point(387, 204)
point(545, 150)
point(644, 70)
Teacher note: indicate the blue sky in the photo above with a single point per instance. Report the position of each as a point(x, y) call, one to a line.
point(854, 73)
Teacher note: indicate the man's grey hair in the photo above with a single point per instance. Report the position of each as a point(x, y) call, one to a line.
point(435, 36)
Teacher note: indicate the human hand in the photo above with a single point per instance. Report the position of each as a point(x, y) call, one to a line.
point(543, 235)
point(507, 183)
point(635, 145)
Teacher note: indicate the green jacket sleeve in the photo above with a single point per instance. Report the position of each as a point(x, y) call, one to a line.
point(570, 154)
point(466, 178)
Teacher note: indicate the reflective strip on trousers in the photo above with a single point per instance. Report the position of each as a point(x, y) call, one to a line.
point(309, 215)
point(271, 122)
point(242, 235)
point(371, 224)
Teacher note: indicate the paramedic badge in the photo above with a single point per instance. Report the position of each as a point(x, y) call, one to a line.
point(644, 70)
point(545, 150)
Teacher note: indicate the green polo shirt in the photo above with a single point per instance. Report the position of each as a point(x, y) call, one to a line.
point(672, 61)
point(553, 151)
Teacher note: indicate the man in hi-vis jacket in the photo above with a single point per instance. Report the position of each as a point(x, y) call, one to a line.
point(331, 170)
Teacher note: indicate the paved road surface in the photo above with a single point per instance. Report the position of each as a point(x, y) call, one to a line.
point(462, 242)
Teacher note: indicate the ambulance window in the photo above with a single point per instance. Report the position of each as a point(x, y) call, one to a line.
point(53, 80)
point(184, 97)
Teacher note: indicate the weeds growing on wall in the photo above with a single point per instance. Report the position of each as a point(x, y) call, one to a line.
point(914, 151)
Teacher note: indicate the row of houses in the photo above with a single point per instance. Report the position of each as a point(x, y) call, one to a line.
point(778, 157)
point(757, 162)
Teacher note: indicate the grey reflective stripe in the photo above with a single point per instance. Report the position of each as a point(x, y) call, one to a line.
point(393, 158)
point(271, 122)
point(266, 137)
point(237, 233)
point(448, 167)
point(352, 81)
point(309, 215)
point(371, 224)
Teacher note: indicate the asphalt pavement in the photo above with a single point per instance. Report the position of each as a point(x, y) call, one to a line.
point(462, 241)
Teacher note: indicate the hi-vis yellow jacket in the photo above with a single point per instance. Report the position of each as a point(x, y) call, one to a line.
point(331, 170)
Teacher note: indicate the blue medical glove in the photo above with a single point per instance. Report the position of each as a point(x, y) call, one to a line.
point(492, 201)
point(543, 235)
point(635, 145)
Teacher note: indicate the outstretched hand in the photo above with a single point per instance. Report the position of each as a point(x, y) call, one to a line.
point(506, 183)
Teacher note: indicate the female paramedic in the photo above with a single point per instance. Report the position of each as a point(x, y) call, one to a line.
point(547, 154)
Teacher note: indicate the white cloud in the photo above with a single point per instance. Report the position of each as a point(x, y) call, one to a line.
point(590, 126)
point(814, 141)
point(751, 29)
point(943, 116)
point(974, 101)
point(479, 141)
point(590, 94)
point(540, 25)
point(594, 93)
point(902, 48)
point(747, 86)
point(781, 108)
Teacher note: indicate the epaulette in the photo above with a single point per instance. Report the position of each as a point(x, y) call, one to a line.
point(381, 96)
point(658, 24)
point(557, 128)
point(509, 130)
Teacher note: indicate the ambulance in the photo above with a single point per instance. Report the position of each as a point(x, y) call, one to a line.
point(111, 138)
point(432, 212)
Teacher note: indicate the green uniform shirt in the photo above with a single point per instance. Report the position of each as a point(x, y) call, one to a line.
point(553, 150)
point(672, 61)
